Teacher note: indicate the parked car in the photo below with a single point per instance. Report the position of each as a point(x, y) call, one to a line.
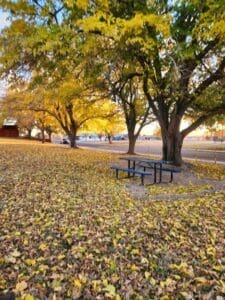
point(119, 138)
point(64, 141)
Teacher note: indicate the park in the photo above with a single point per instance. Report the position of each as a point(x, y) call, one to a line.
point(70, 230)
point(126, 216)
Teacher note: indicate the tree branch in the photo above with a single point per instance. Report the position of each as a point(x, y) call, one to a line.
point(201, 119)
point(219, 74)
point(149, 98)
point(206, 50)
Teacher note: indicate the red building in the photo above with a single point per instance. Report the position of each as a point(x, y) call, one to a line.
point(9, 131)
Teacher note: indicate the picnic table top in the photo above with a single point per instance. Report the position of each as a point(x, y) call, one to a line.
point(147, 160)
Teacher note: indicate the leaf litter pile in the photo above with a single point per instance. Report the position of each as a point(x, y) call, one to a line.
point(69, 230)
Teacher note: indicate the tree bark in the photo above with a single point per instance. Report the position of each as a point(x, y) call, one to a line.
point(132, 142)
point(109, 137)
point(73, 139)
point(172, 149)
point(29, 133)
point(42, 135)
point(172, 141)
point(50, 136)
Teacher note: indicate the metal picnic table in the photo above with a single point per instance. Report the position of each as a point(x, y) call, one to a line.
point(156, 165)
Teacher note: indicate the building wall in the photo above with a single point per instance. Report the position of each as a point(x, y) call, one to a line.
point(9, 131)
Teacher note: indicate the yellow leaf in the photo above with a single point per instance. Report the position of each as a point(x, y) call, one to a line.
point(30, 262)
point(10, 259)
point(61, 256)
point(28, 297)
point(2, 283)
point(25, 242)
point(77, 283)
point(134, 267)
point(184, 295)
point(219, 268)
point(2, 260)
point(135, 252)
point(201, 280)
point(165, 297)
point(110, 289)
point(211, 251)
point(43, 247)
point(21, 286)
point(95, 285)
point(147, 275)
point(15, 253)
point(56, 286)
point(152, 281)
point(42, 268)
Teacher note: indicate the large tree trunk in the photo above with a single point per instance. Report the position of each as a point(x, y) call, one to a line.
point(172, 141)
point(172, 146)
point(132, 142)
point(73, 139)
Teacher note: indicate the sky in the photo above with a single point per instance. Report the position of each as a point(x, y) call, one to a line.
point(3, 22)
point(3, 19)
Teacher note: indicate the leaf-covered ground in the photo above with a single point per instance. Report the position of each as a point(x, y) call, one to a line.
point(69, 230)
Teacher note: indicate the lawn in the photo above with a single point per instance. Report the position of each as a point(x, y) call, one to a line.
point(204, 145)
point(69, 230)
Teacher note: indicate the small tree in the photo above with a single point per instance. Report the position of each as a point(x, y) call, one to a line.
point(107, 127)
point(46, 123)
point(13, 106)
point(72, 105)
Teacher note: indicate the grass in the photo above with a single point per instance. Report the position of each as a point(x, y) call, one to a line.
point(69, 230)
point(204, 145)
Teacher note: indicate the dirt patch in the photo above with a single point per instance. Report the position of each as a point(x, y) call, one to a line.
point(186, 184)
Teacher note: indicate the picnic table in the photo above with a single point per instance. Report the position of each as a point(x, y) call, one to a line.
point(156, 166)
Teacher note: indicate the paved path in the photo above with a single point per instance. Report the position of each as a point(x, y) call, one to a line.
point(154, 148)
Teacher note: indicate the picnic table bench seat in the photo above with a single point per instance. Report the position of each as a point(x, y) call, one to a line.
point(164, 168)
point(144, 166)
point(142, 173)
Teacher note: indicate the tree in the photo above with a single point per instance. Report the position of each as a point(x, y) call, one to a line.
point(119, 74)
point(179, 48)
point(106, 127)
point(216, 127)
point(48, 52)
point(17, 104)
point(157, 132)
point(12, 106)
point(56, 46)
point(72, 105)
point(46, 123)
point(69, 106)
point(176, 49)
point(125, 88)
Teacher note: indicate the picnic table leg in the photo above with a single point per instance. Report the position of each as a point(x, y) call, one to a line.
point(133, 167)
point(155, 170)
point(171, 176)
point(160, 173)
point(117, 173)
point(142, 179)
point(128, 173)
